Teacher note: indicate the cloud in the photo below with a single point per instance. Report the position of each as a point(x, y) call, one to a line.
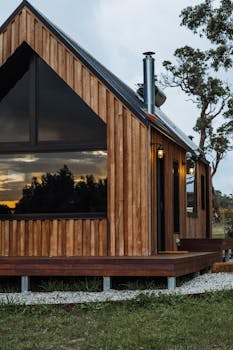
point(116, 32)
point(223, 178)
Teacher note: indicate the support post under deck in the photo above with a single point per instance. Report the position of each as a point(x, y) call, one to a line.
point(24, 284)
point(106, 283)
point(227, 255)
point(171, 283)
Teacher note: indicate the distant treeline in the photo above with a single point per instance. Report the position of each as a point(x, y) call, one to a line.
point(223, 200)
point(59, 193)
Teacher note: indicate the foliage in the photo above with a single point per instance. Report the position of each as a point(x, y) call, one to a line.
point(213, 20)
point(59, 193)
point(4, 209)
point(91, 284)
point(224, 201)
point(227, 219)
point(136, 283)
point(229, 227)
point(166, 322)
point(194, 74)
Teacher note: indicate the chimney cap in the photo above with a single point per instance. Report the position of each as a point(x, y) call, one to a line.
point(148, 53)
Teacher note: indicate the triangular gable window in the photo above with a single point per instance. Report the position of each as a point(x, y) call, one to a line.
point(37, 106)
point(52, 145)
point(63, 115)
point(15, 98)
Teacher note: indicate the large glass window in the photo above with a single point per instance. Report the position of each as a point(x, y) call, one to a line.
point(203, 192)
point(53, 182)
point(53, 156)
point(63, 115)
point(176, 197)
point(15, 100)
point(191, 192)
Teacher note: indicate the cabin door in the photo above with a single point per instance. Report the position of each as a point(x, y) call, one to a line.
point(160, 205)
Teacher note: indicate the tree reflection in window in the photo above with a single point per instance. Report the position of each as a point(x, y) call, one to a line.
point(59, 193)
point(28, 187)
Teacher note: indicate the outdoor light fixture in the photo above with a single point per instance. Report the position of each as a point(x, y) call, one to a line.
point(191, 169)
point(188, 155)
point(190, 163)
point(160, 152)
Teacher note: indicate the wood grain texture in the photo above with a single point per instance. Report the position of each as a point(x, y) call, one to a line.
point(170, 265)
point(70, 237)
point(196, 225)
point(1, 48)
point(172, 152)
point(206, 244)
point(127, 204)
point(130, 229)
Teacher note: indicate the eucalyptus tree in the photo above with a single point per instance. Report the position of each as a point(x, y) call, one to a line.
point(198, 74)
point(213, 98)
point(213, 20)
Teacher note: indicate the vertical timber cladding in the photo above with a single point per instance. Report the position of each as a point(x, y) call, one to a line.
point(128, 182)
point(68, 237)
point(197, 225)
point(171, 152)
point(128, 140)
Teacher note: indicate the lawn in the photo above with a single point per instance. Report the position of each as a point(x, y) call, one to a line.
point(218, 230)
point(203, 322)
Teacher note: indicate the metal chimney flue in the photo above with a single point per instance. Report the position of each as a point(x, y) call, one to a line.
point(149, 81)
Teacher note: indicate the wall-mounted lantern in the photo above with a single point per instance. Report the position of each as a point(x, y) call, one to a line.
point(160, 152)
point(191, 167)
point(190, 163)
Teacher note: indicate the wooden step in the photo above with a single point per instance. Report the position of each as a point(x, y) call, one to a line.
point(174, 252)
point(222, 267)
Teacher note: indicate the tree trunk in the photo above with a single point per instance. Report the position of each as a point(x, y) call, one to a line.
point(216, 211)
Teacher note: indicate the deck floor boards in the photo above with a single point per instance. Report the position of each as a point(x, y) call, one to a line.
point(168, 265)
point(205, 244)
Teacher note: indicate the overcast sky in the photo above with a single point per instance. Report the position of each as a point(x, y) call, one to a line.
point(116, 32)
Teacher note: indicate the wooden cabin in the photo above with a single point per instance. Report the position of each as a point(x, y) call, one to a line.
point(80, 173)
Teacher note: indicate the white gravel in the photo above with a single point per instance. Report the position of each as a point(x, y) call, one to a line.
point(203, 283)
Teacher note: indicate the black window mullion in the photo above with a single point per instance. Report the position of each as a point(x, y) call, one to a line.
point(33, 100)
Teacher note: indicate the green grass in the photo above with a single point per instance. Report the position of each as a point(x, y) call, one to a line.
point(218, 230)
point(85, 284)
point(164, 323)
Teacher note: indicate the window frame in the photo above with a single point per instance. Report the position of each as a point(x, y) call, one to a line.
point(203, 192)
point(194, 213)
point(34, 146)
point(176, 197)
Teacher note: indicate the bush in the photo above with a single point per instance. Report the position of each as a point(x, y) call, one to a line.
point(229, 223)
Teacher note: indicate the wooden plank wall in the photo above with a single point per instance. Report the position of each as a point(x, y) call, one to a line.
point(127, 138)
point(171, 152)
point(68, 237)
point(196, 226)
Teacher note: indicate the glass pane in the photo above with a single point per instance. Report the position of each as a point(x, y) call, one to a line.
point(203, 192)
point(53, 182)
point(14, 99)
point(63, 115)
point(176, 199)
point(191, 195)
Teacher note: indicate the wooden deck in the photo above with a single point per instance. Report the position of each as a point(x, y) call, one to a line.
point(168, 265)
point(206, 244)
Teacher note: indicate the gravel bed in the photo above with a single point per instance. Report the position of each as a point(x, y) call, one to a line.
point(203, 283)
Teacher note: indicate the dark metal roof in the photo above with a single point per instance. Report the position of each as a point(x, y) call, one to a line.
point(118, 87)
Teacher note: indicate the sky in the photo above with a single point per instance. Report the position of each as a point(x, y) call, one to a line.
point(117, 32)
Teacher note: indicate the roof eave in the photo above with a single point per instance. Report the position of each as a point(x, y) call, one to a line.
point(142, 117)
